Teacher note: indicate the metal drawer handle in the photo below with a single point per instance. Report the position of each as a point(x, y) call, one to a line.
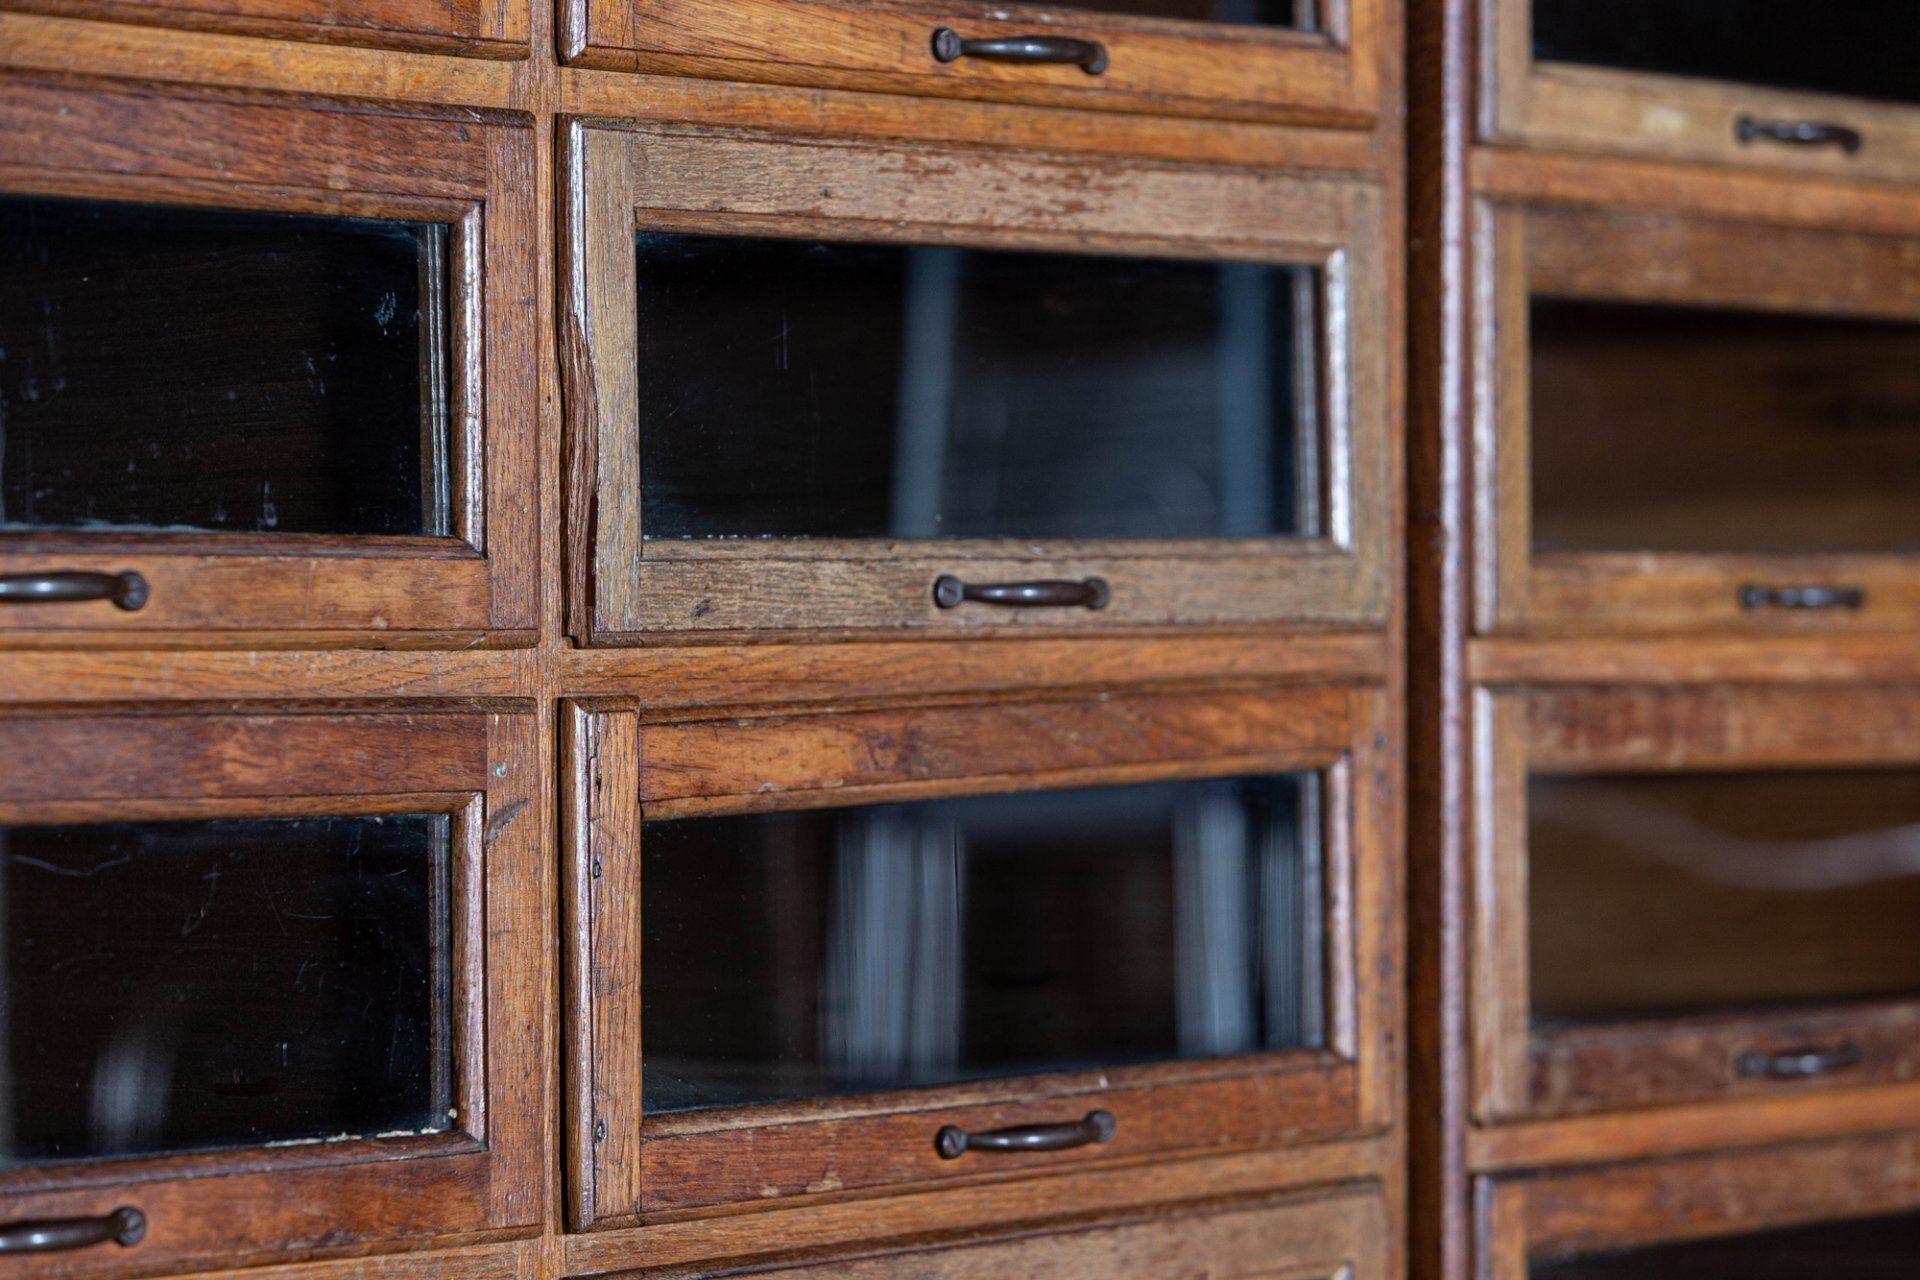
point(1798, 133)
point(123, 1226)
point(127, 590)
point(1798, 1064)
point(950, 593)
point(1098, 1126)
point(1753, 596)
point(1088, 55)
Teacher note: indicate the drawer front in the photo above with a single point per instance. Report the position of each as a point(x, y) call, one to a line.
point(1314, 61)
point(478, 28)
point(1697, 425)
point(1699, 894)
point(280, 960)
point(1164, 946)
point(1813, 1209)
point(938, 399)
point(266, 378)
point(1339, 1235)
point(1739, 83)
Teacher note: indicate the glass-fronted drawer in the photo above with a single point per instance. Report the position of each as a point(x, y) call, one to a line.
point(1311, 61)
point(255, 959)
point(1695, 424)
point(922, 402)
point(264, 387)
point(497, 30)
point(1700, 894)
point(1831, 1209)
point(844, 933)
point(1334, 1235)
point(1746, 82)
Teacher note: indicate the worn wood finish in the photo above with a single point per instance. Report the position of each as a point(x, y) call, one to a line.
point(269, 1204)
point(628, 766)
point(625, 590)
point(1560, 106)
point(479, 28)
point(1155, 65)
point(95, 139)
point(1698, 1197)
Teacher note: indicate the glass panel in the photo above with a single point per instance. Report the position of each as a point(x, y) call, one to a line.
point(1681, 429)
point(178, 985)
point(1865, 48)
point(1870, 1249)
point(185, 369)
point(1668, 894)
point(843, 950)
point(1301, 15)
point(793, 389)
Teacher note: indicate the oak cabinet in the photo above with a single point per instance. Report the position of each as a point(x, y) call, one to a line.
point(268, 372)
point(266, 984)
point(1693, 425)
point(1720, 82)
point(852, 389)
point(1316, 61)
point(850, 952)
point(477, 28)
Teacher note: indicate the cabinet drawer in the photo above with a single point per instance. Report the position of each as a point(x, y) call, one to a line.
point(1696, 425)
point(855, 951)
point(1815, 1210)
point(1696, 894)
point(279, 960)
point(1731, 82)
point(854, 388)
point(268, 374)
point(1339, 1235)
point(478, 28)
point(1313, 61)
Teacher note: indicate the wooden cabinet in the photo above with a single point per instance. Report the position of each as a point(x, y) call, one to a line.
point(266, 979)
point(861, 389)
point(1316, 61)
point(1727, 82)
point(495, 29)
point(269, 371)
point(1692, 424)
point(846, 952)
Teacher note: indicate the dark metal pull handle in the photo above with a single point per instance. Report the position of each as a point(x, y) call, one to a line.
point(1088, 55)
point(1098, 1126)
point(1797, 1064)
point(950, 593)
point(123, 1226)
point(1753, 596)
point(127, 590)
point(1798, 133)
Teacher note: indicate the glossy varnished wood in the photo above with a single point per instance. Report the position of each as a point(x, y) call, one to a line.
point(479, 28)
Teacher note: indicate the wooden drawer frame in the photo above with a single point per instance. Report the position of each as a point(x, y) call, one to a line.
point(477, 28)
point(1666, 258)
point(1563, 106)
point(1521, 1219)
point(625, 590)
point(623, 765)
point(243, 1206)
point(1519, 1072)
point(120, 140)
point(1335, 76)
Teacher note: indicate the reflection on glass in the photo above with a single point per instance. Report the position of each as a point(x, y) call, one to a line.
point(1685, 429)
point(798, 954)
point(168, 986)
point(1301, 15)
point(1868, 1249)
point(1863, 48)
point(1670, 894)
point(166, 368)
point(796, 389)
